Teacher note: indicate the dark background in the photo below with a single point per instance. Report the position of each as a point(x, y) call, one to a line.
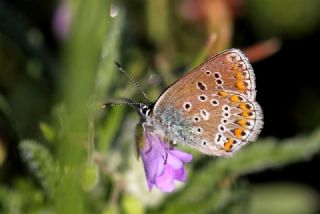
point(289, 91)
point(288, 85)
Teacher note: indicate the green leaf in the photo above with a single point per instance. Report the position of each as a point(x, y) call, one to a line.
point(270, 153)
point(47, 131)
point(107, 78)
point(40, 163)
point(90, 23)
point(106, 75)
point(286, 17)
point(131, 205)
point(90, 177)
point(283, 198)
point(109, 128)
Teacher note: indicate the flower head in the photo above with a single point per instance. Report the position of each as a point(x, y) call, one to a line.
point(61, 20)
point(163, 165)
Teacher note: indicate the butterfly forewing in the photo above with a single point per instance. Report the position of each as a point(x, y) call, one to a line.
point(233, 72)
point(212, 107)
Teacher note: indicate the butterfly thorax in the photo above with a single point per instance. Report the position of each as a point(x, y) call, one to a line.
point(170, 123)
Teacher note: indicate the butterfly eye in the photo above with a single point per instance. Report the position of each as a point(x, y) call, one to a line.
point(145, 110)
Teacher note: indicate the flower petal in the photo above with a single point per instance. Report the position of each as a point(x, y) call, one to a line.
point(61, 20)
point(173, 161)
point(180, 175)
point(152, 159)
point(185, 157)
point(162, 163)
point(165, 181)
point(150, 185)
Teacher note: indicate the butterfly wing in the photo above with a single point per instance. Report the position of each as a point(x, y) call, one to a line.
point(232, 72)
point(212, 107)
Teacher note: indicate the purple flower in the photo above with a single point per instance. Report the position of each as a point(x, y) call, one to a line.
point(61, 20)
point(162, 164)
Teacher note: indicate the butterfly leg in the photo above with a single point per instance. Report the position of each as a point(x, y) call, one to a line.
point(168, 139)
point(139, 139)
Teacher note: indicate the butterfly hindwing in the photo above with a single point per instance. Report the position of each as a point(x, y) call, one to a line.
point(212, 108)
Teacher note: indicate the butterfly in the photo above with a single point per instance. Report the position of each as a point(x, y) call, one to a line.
point(212, 108)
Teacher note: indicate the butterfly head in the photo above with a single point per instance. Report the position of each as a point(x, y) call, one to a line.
point(145, 110)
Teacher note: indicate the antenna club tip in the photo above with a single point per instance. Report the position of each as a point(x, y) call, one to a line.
point(104, 106)
point(117, 64)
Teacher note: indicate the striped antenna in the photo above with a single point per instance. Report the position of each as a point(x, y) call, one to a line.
point(132, 80)
point(108, 105)
point(122, 102)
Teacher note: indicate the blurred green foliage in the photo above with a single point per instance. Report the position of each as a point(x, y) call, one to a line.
point(292, 18)
point(82, 157)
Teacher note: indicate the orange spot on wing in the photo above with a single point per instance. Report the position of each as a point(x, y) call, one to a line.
point(238, 132)
point(240, 85)
point(234, 98)
point(235, 67)
point(246, 114)
point(223, 93)
point(228, 145)
point(244, 107)
point(239, 75)
point(242, 122)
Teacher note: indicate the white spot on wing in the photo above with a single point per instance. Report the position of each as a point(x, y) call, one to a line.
point(214, 102)
point(219, 82)
point(222, 128)
point(242, 65)
point(187, 106)
point(233, 57)
point(202, 98)
point(204, 114)
point(216, 75)
point(226, 108)
point(196, 119)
